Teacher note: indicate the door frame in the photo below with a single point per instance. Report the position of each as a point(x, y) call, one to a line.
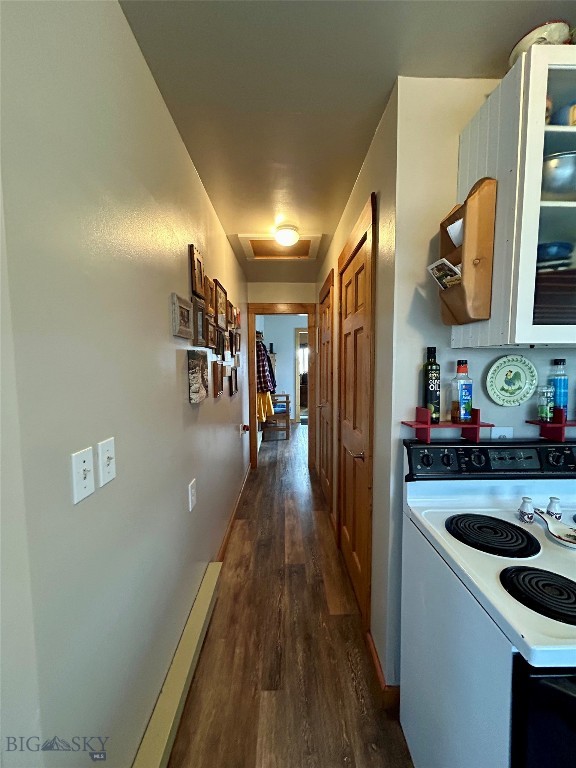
point(367, 222)
point(327, 290)
point(281, 309)
point(297, 372)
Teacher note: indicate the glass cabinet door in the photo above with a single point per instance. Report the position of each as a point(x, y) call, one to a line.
point(547, 258)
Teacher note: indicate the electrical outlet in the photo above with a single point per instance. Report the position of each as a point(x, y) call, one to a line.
point(502, 433)
point(82, 474)
point(192, 495)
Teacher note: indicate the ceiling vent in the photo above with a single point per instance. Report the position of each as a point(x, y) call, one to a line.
point(264, 247)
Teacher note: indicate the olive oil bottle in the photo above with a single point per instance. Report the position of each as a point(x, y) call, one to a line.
point(432, 385)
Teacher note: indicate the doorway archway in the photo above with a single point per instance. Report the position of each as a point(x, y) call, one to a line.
point(282, 309)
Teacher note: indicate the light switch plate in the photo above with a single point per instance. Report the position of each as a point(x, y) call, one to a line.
point(82, 474)
point(191, 495)
point(106, 461)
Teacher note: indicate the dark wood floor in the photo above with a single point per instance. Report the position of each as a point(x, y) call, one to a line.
point(284, 679)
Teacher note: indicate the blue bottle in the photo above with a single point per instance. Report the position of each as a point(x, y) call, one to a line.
point(559, 380)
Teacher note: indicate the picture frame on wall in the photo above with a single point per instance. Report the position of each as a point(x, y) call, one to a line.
point(209, 296)
point(233, 379)
point(237, 340)
point(232, 336)
point(230, 314)
point(198, 310)
point(217, 379)
point(221, 305)
point(182, 319)
point(196, 272)
point(237, 317)
point(220, 347)
point(197, 376)
point(226, 353)
point(211, 333)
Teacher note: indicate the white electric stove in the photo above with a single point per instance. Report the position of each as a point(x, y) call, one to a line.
point(488, 604)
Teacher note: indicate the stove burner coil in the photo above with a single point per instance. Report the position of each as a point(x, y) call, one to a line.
point(547, 593)
point(493, 535)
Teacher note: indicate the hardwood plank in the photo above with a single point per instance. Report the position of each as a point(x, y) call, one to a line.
point(271, 749)
point(294, 548)
point(339, 594)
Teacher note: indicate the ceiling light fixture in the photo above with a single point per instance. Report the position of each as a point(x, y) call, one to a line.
point(287, 235)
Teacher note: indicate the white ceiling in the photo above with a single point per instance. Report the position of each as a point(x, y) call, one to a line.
point(277, 100)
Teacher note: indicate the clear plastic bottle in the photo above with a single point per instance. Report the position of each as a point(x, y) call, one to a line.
point(545, 402)
point(432, 385)
point(559, 380)
point(461, 398)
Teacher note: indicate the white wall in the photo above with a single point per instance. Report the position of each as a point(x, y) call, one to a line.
point(280, 330)
point(100, 201)
point(290, 293)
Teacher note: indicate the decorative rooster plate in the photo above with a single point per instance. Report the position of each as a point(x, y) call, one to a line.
point(511, 380)
point(562, 533)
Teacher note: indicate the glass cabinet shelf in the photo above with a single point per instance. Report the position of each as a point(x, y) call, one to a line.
point(559, 138)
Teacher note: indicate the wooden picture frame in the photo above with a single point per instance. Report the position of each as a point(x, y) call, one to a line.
point(196, 272)
point(182, 319)
point(199, 313)
point(232, 336)
point(211, 333)
point(221, 305)
point(237, 340)
point(209, 296)
point(230, 314)
point(219, 343)
point(233, 381)
point(197, 376)
point(217, 379)
point(237, 317)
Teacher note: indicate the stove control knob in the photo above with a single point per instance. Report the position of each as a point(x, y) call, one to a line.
point(447, 459)
point(427, 459)
point(478, 459)
point(555, 458)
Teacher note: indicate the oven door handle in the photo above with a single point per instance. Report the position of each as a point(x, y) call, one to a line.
point(564, 689)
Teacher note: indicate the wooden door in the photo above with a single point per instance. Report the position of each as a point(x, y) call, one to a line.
point(325, 396)
point(356, 267)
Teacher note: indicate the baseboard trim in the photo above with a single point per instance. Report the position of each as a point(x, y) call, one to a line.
point(390, 693)
point(222, 550)
point(156, 745)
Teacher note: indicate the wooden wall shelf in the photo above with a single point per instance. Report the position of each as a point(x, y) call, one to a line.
point(423, 427)
point(556, 429)
point(470, 301)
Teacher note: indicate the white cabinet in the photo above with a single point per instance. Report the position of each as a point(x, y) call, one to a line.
point(507, 140)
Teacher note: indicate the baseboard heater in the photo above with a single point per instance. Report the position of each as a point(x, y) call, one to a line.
point(156, 745)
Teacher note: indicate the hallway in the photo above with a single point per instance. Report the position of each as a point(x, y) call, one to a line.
point(284, 679)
